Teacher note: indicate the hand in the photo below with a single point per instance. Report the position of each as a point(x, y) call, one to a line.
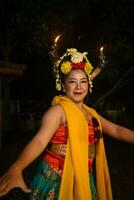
point(12, 179)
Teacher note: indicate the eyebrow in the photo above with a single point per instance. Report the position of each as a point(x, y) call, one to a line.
point(76, 78)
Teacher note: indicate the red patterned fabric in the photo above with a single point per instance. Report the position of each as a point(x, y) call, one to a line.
point(60, 137)
point(79, 65)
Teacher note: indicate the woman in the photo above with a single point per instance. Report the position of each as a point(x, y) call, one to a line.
point(74, 164)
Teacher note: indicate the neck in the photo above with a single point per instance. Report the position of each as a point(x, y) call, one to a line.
point(79, 105)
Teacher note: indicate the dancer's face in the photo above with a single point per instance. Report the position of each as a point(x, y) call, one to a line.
point(76, 85)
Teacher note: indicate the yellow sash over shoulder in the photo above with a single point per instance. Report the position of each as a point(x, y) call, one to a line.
point(75, 184)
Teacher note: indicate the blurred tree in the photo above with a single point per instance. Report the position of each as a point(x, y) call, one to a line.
point(29, 27)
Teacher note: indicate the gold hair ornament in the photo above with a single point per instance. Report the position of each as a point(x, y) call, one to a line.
point(77, 60)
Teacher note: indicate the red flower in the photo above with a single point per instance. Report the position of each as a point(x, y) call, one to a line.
point(79, 65)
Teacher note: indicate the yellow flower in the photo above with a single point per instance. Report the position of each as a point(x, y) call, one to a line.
point(88, 68)
point(66, 67)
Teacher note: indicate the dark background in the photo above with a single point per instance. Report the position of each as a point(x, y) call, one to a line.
point(27, 32)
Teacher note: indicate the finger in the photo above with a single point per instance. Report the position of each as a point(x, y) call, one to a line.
point(3, 185)
point(4, 191)
point(2, 178)
point(26, 189)
point(2, 194)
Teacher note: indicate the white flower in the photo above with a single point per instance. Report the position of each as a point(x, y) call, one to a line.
point(85, 53)
point(77, 57)
point(72, 51)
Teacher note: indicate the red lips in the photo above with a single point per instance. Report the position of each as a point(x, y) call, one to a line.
point(77, 93)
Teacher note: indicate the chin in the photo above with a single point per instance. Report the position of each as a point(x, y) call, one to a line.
point(77, 100)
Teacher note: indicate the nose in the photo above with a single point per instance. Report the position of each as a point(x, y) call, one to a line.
point(78, 85)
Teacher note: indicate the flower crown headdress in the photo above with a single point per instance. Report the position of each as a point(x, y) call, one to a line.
point(77, 61)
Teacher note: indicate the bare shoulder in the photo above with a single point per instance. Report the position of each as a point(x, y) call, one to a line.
point(55, 112)
point(51, 120)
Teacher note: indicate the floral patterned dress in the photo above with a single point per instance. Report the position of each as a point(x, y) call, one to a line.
point(46, 183)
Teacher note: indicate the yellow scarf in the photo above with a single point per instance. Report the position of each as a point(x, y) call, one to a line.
point(75, 184)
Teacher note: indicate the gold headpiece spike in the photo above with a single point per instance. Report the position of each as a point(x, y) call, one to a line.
point(101, 49)
point(56, 39)
point(101, 66)
point(54, 52)
point(54, 58)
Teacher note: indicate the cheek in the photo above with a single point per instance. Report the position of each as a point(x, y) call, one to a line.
point(68, 88)
point(86, 88)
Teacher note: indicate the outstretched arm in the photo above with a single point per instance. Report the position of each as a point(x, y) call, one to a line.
point(50, 122)
point(116, 131)
point(13, 178)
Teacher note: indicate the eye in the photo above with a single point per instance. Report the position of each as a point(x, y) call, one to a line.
point(71, 81)
point(84, 81)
